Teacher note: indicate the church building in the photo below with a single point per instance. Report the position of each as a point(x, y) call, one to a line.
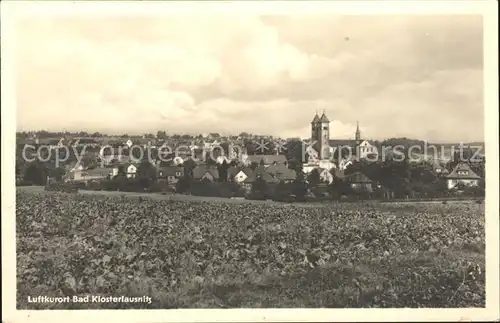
point(320, 134)
point(324, 147)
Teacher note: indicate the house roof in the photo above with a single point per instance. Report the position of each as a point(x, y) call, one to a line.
point(97, 172)
point(463, 168)
point(200, 170)
point(268, 159)
point(54, 142)
point(259, 172)
point(357, 177)
point(233, 171)
point(321, 170)
point(341, 142)
point(316, 119)
point(281, 172)
point(170, 171)
point(85, 141)
point(337, 172)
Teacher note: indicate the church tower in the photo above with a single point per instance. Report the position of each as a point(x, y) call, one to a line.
point(320, 132)
point(358, 134)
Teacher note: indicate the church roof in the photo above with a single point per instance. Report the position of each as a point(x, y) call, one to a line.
point(324, 118)
point(316, 119)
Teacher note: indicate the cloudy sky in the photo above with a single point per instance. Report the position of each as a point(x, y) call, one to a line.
point(413, 76)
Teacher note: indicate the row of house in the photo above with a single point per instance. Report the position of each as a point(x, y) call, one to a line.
point(272, 168)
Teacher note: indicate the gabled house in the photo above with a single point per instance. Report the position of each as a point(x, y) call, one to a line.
point(171, 174)
point(281, 172)
point(260, 172)
point(91, 174)
point(205, 172)
point(130, 170)
point(358, 181)
point(267, 160)
point(439, 169)
point(366, 149)
point(325, 175)
point(237, 174)
point(84, 142)
point(177, 161)
point(462, 174)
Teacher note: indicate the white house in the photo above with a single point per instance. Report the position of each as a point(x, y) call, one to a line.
point(365, 149)
point(240, 177)
point(325, 175)
point(178, 161)
point(462, 174)
point(323, 164)
point(91, 174)
point(344, 163)
point(308, 167)
point(131, 171)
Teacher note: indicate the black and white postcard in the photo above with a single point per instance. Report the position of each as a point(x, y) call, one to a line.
point(250, 161)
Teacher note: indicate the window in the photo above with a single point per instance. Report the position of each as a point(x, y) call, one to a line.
point(325, 128)
point(177, 173)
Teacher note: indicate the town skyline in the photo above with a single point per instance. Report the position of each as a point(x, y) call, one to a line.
point(400, 76)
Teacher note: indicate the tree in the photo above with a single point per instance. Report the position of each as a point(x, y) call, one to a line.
point(283, 191)
point(222, 168)
point(253, 165)
point(314, 177)
point(122, 172)
point(336, 187)
point(210, 161)
point(36, 173)
point(58, 173)
point(18, 169)
point(259, 188)
point(146, 174)
point(182, 185)
point(296, 165)
point(161, 134)
point(89, 160)
point(189, 165)
point(300, 187)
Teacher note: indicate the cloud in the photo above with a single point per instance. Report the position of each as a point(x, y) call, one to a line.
point(408, 76)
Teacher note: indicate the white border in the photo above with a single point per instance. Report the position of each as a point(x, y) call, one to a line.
point(12, 10)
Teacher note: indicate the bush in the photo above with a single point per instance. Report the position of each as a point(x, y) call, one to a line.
point(24, 183)
point(182, 186)
point(61, 187)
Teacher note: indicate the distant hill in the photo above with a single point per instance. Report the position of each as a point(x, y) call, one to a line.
point(403, 141)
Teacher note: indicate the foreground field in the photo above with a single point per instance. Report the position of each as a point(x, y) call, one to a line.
point(213, 254)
